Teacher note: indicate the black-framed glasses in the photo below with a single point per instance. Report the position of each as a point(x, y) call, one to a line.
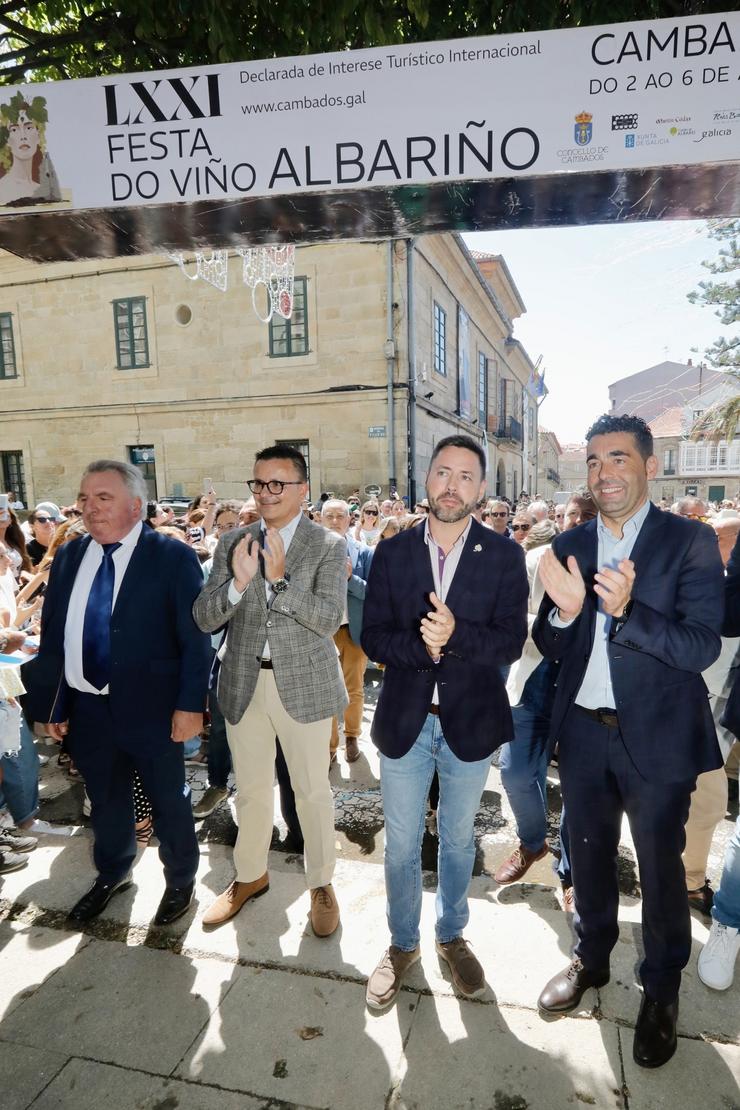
point(370, 512)
point(498, 514)
point(520, 527)
point(274, 486)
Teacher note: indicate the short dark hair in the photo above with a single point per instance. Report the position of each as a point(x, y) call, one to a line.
point(285, 452)
point(461, 441)
point(635, 425)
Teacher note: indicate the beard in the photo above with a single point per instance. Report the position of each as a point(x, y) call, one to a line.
point(450, 514)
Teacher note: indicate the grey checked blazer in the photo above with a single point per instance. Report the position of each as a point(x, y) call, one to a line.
point(299, 625)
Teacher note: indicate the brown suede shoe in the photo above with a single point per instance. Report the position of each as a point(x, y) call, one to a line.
point(385, 982)
point(518, 864)
point(351, 749)
point(324, 911)
point(467, 973)
point(228, 904)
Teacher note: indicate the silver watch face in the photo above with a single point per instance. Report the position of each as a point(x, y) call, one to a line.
point(279, 585)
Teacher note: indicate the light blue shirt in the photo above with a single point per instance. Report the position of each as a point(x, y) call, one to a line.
point(596, 689)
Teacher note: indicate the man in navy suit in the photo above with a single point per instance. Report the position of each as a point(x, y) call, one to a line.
point(122, 672)
point(335, 517)
point(633, 610)
point(445, 610)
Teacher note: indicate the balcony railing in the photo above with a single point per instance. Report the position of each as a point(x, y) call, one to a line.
point(710, 458)
point(510, 429)
point(553, 476)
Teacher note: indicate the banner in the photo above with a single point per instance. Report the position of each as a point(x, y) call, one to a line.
point(623, 97)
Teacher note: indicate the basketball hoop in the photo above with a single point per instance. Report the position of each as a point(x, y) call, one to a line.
point(270, 267)
point(273, 268)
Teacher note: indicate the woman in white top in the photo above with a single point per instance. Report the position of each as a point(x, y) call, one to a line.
point(368, 526)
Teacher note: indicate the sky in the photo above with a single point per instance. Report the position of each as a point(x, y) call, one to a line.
point(602, 303)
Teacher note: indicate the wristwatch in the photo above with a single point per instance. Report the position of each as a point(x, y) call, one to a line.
point(280, 584)
point(619, 622)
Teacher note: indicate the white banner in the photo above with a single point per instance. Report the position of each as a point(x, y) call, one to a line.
point(626, 96)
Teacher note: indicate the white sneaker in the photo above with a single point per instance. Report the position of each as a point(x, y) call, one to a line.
point(717, 958)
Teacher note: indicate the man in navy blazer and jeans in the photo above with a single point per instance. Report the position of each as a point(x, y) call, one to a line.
point(633, 610)
point(445, 609)
point(122, 672)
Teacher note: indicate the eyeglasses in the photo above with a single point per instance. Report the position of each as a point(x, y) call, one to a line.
point(274, 486)
point(498, 514)
point(520, 527)
point(370, 512)
point(43, 520)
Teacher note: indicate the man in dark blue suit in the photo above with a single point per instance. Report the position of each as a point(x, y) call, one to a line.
point(633, 610)
point(122, 672)
point(445, 610)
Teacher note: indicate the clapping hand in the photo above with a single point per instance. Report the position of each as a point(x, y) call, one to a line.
point(564, 584)
point(274, 555)
point(244, 561)
point(614, 587)
point(437, 626)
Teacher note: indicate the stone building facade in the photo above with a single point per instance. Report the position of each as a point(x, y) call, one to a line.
point(549, 481)
point(391, 347)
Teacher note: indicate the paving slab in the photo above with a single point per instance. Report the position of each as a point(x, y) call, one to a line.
point(699, 1075)
point(85, 1085)
point(464, 1055)
point(713, 1015)
point(25, 1071)
point(132, 1006)
point(301, 1038)
point(29, 954)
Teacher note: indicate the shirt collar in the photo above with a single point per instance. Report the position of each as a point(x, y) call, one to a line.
point(130, 539)
point(288, 530)
point(630, 527)
point(459, 542)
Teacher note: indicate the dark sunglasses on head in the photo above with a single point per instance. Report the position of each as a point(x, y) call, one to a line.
point(520, 527)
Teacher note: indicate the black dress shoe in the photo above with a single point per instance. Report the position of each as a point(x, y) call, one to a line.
point(564, 991)
point(702, 899)
point(655, 1033)
point(95, 901)
point(176, 901)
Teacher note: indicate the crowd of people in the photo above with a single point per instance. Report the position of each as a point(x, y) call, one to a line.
point(600, 631)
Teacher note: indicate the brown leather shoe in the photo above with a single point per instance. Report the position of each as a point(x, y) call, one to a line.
point(351, 749)
point(228, 904)
point(518, 864)
point(564, 991)
point(385, 982)
point(324, 911)
point(467, 973)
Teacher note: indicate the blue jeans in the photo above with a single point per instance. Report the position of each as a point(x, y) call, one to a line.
point(19, 790)
point(405, 785)
point(523, 761)
point(726, 907)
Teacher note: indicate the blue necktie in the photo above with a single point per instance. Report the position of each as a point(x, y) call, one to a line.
point(96, 628)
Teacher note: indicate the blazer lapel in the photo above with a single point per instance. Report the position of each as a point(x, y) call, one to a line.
point(645, 541)
point(298, 545)
point(76, 554)
point(465, 568)
point(136, 563)
point(422, 564)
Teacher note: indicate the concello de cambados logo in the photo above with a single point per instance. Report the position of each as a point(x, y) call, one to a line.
point(583, 130)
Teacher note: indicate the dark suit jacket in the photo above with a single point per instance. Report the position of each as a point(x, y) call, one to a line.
point(159, 658)
point(362, 558)
point(656, 659)
point(731, 627)
point(488, 597)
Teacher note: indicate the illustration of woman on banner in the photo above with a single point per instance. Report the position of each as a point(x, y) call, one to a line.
point(27, 175)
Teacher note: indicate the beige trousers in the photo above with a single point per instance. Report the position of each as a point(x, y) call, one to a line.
point(708, 807)
point(353, 662)
point(252, 746)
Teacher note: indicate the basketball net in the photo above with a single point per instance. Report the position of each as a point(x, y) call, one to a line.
point(272, 267)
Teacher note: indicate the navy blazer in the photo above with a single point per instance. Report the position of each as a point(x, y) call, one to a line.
point(731, 627)
point(362, 559)
point(488, 597)
point(159, 657)
point(656, 659)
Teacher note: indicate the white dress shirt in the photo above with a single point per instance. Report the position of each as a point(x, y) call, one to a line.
point(86, 572)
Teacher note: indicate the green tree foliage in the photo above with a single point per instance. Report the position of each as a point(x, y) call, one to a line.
point(51, 39)
point(720, 421)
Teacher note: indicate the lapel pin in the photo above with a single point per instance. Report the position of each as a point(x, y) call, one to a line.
point(477, 547)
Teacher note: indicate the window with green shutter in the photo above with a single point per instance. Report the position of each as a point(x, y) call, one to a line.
point(132, 340)
point(8, 367)
point(290, 337)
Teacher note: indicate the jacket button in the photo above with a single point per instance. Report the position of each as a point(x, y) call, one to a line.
point(268, 624)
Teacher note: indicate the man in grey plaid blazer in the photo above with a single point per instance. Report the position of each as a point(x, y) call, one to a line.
point(279, 585)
